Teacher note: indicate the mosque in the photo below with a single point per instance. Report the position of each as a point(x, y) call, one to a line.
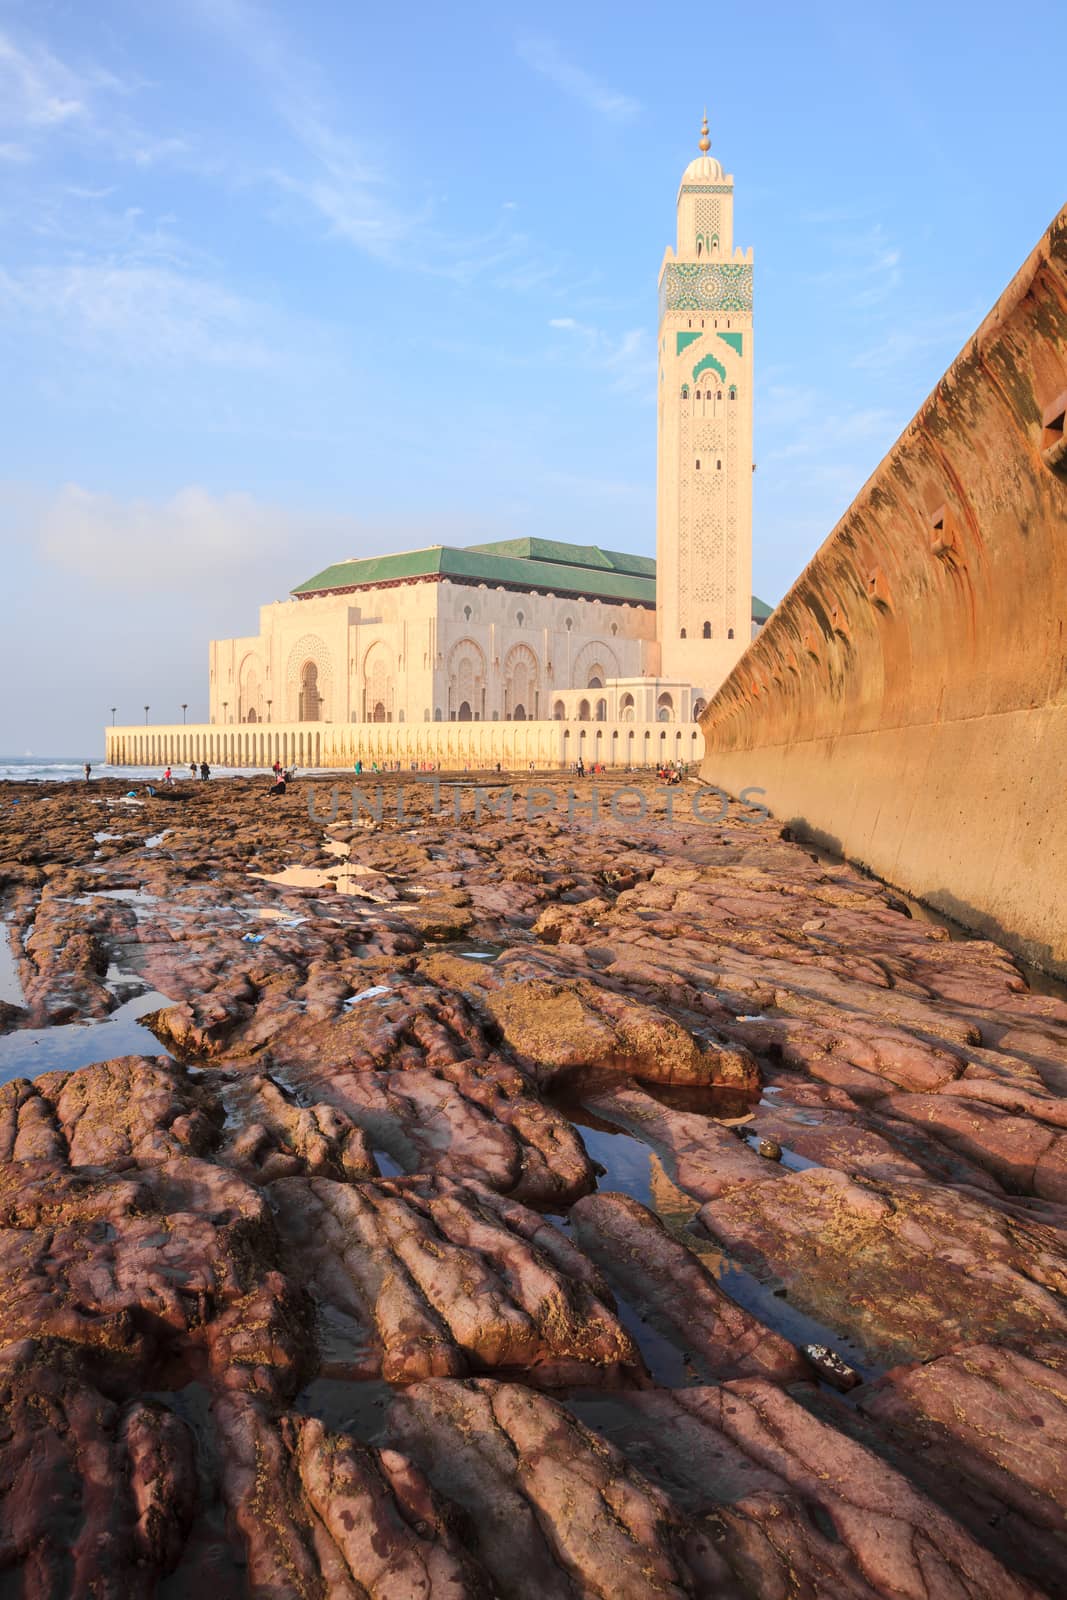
point(534, 630)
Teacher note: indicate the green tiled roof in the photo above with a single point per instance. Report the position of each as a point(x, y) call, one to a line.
point(571, 555)
point(545, 564)
point(484, 565)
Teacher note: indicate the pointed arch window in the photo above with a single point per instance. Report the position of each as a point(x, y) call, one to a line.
point(707, 630)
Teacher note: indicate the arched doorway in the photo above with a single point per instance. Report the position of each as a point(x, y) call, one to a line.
point(252, 715)
point(378, 714)
point(519, 713)
point(310, 699)
point(465, 713)
point(583, 711)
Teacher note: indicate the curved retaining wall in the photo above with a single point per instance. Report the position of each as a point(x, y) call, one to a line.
point(907, 702)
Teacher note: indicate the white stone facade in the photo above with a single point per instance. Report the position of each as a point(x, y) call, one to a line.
point(425, 651)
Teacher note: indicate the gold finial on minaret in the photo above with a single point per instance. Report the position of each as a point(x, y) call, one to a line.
point(705, 142)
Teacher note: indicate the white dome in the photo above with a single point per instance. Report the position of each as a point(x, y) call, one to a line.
point(705, 169)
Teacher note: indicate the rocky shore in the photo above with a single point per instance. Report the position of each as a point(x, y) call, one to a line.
point(464, 1206)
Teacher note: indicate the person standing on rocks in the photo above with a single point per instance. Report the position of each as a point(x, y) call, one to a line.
point(192, 769)
point(205, 772)
point(88, 770)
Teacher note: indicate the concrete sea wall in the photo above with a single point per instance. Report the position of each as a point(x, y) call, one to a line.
point(907, 702)
point(452, 746)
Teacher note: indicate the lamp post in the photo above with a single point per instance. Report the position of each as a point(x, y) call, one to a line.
point(185, 707)
point(113, 710)
point(225, 711)
point(269, 704)
point(146, 716)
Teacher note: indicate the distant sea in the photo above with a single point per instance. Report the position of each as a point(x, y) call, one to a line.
point(53, 769)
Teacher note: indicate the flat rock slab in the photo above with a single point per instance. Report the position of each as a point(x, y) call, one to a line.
point(986, 1429)
point(321, 1514)
point(474, 1119)
point(557, 1022)
point(799, 1509)
point(131, 1111)
point(445, 1279)
point(150, 1274)
point(907, 1270)
point(554, 1511)
point(1025, 1155)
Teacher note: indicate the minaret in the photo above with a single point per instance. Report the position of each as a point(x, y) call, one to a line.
point(704, 461)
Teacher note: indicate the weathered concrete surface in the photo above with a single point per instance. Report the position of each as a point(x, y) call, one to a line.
point(907, 702)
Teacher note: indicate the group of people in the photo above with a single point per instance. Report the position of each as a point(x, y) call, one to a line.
point(283, 777)
point(670, 772)
point(359, 767)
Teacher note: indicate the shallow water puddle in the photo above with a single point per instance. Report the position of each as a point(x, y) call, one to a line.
point(387, 1166)
point(633, 1168)
point(29, 1051)
point(213, 1558)
point(347, 1407)
point(341, 880)
point(10, 984)
point(366, 994)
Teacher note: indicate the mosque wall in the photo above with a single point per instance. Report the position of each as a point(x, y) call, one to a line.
point(452, 747)
point(907, 702)
point(424, 652)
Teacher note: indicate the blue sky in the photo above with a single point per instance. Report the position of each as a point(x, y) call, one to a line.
point(281, 284)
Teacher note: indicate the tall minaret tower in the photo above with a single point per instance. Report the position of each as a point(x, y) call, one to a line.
point(704, 465)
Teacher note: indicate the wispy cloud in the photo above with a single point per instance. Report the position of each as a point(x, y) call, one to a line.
point(43, 97)
point(138, 314)
point(627, 358)
point(331, 172)
point(544, 56)
point(920, 340)
point(36, 89)
point(865, 268)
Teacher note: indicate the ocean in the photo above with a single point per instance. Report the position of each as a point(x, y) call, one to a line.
point(53, 769)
